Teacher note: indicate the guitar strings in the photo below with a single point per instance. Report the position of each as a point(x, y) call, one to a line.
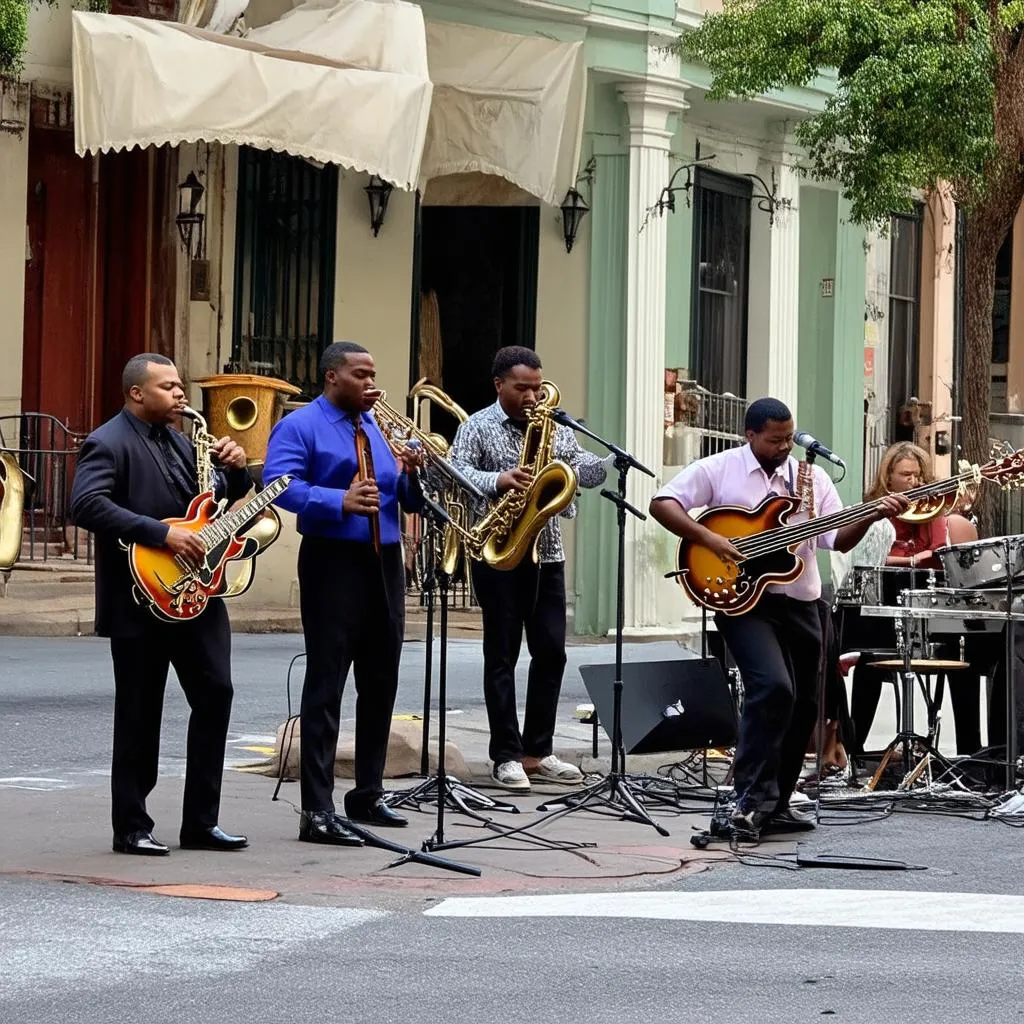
point(780, 537)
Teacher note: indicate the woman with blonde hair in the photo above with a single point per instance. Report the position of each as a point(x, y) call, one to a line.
point(905, 466)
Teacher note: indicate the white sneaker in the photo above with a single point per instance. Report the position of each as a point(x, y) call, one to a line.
point(554, 769)
point(510, 775)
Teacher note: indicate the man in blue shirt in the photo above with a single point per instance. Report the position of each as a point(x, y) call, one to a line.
point(346, 490)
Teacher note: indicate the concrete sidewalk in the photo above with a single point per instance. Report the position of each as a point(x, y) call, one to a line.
point(65, 835)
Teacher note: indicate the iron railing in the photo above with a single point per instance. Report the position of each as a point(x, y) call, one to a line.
point(47, 452)
point(704, 423)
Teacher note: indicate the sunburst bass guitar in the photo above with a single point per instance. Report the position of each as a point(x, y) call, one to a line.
point(175, 591)
point(768, 541)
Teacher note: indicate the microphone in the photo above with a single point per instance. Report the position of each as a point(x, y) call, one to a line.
point(561, 416)
point(812, 444)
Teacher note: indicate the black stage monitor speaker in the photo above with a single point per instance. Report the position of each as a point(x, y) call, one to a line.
point(666, 705)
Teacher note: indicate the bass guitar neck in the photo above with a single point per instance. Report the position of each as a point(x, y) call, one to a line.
point(768, 541)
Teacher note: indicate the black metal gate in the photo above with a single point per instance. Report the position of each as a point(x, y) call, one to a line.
point(721, 254)
point(284, 266)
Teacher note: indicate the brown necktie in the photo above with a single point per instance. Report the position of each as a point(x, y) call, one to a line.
point(364, 460)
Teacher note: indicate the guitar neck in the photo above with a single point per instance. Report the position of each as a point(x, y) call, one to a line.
point(785, 536)
point(223, 527)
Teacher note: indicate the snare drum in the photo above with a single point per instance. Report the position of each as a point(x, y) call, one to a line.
point(881, 584)
point(980, 564)
point(948, 610)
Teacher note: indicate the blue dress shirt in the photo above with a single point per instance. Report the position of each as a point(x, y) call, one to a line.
point(317, 446)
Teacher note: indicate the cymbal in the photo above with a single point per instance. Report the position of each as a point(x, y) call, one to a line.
point(923, 664)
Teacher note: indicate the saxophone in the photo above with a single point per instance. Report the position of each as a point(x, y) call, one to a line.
point(511, 528)
point(265, 531)
point(202, 442)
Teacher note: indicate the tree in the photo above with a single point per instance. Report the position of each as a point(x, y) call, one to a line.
point(927, 92)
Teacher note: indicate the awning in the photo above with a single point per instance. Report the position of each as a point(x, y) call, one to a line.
point(507, 105)
point(343, 82)
point(360, 98)
point(503, 104)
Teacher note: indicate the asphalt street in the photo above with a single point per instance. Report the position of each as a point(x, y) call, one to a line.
point(56, 699)
point(79, 955)
point(754, 941)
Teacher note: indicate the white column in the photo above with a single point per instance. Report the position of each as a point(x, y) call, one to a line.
point(784, 317)
point(773, 360)
point(650, 106)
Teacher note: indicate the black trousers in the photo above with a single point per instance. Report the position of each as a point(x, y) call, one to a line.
point(836, 707)
point(530, 597)
point(777, 648)
point(200, 652)
point(353, 616)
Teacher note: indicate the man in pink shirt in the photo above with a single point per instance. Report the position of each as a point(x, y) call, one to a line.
point(777, 644)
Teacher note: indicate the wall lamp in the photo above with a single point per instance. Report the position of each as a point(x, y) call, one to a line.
point(189, 219)
point(378, 192)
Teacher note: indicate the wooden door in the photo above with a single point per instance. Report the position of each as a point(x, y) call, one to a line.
point(55, 369)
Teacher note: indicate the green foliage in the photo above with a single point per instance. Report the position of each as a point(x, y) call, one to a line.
point(14, 30)
point(13, 34)
point(915, 96)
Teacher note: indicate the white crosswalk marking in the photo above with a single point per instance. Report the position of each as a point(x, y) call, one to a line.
point(43, 785)
point(844, 908)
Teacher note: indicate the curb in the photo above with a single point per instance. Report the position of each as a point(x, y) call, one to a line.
point(80, 623)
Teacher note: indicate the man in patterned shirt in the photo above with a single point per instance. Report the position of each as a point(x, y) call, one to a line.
point(487, 449)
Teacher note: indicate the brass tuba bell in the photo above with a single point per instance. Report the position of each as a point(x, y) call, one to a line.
point(422, 394)
point(245, 407)
point(12, 512)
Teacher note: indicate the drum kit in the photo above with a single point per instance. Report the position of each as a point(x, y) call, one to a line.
point(979, 589)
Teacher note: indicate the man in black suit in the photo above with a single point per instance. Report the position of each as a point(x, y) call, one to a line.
point(133, 472)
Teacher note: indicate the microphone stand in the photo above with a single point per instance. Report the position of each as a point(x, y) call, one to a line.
point(615, 792)
point(440, 788)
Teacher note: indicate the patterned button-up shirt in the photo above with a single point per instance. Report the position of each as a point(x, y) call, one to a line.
point(489, 443)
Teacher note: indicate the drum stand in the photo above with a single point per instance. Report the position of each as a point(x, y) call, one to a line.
point(910, 740)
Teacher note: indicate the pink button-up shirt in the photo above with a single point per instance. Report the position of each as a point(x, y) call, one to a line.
point(735, 477)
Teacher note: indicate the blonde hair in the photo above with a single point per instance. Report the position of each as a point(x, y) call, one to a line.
point(897, 453)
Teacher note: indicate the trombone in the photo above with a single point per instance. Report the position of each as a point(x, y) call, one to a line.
point(399, 431)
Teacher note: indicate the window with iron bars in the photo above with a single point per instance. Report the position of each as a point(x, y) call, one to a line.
point(284, 266)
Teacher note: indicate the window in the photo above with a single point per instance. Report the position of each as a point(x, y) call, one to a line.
point(1001, 302)
point(284, 266)
point(904, 317)
point(721, 251)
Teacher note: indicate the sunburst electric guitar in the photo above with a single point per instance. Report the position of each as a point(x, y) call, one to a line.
point(175, 591)
point(768, 542)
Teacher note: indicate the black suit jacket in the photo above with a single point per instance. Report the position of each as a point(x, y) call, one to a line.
point(122, 490)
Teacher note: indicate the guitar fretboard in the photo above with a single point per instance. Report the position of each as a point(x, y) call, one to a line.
point(224, 527)
point(784, 536)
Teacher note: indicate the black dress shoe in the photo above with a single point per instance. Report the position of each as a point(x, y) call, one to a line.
point(140, 843)
point(325, 827)
point(378, 813)
point(211, 839)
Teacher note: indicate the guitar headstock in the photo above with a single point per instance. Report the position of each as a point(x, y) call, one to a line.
point(1006, 466)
